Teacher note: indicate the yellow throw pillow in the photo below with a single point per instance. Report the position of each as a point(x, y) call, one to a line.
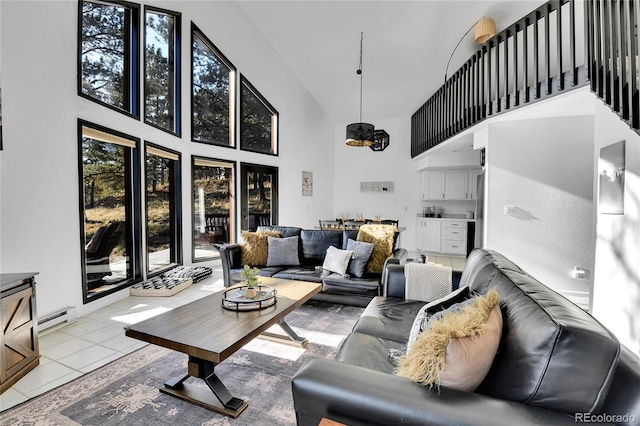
point(381, 236)
point(457, 349)
point(255, 249)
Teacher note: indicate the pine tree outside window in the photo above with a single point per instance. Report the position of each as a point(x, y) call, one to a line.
point(213, 89)
point(259, 121)
point(108, 62)
point(162, 70)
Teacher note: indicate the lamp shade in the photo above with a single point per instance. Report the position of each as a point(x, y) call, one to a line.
point(360, 134)
point(485, 29)
point(381, 140)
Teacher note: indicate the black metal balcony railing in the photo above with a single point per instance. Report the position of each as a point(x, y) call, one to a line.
point(540, 56)
point(612, 37)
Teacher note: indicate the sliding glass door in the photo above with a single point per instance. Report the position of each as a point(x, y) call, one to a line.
point(164, 248)
point(109, 206)
point(213, 206)
point(259, 196)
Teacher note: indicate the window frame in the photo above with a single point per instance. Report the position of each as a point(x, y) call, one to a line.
point(244, 192)
point(133, 208)
point(176, 252)
point(177, 70)
point(234, 205)
point(275, 142)
point(131, 58)
point(233, 88)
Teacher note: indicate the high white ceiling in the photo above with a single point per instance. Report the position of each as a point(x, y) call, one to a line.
point(406, 47)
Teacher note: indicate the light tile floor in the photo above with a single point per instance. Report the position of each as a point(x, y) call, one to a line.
point(68, 351)
point(456, 263)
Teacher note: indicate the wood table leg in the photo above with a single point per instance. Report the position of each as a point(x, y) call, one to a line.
point(217, 399)
point(291, 337)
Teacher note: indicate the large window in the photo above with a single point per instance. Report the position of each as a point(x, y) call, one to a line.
point(259, 121)
point(162, 69)
point(213, 206)
point(108, 54)
point(213, 88)
point(259, 196)
point(111, 225)
point(164, 249)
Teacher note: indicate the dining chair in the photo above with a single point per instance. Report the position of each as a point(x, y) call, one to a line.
point(330, 224)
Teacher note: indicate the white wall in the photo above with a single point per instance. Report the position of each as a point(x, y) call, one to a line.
point(39, 166)
point(543, 167)
point(616, 293)
point(361, 164)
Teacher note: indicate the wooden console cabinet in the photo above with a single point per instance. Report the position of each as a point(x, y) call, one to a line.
point(19, 351)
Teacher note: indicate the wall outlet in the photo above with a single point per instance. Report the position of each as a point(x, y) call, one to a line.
point(509, 209)
point(579, 272)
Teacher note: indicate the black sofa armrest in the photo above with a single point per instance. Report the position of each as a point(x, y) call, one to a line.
point(396, 260)
point(231, 258)
point(393, 281)
point(359, 396)
point(399, 256)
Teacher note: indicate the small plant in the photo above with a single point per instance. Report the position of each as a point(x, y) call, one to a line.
point(250, 276)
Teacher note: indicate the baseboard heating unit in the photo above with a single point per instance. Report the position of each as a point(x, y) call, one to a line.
point(68, 315)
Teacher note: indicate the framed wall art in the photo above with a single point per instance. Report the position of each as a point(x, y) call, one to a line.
point(611, 171)
point(307, 184)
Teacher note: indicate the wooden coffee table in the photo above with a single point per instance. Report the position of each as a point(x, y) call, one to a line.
point(209, 334)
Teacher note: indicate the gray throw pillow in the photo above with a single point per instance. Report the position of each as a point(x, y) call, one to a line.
point(361, 254)
point(283, 251)
point(337, 260)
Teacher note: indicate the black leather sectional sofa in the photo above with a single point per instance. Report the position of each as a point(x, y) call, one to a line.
point(313, 244)
point(555, 365)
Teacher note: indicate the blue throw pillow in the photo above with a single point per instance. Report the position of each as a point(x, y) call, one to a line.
point(361, 254)
point(283, 251)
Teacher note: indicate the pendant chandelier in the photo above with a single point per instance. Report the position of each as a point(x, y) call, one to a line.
point(360, 134)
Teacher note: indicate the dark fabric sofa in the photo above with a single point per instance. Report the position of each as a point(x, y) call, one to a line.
point(313, 244)
point(555, 365)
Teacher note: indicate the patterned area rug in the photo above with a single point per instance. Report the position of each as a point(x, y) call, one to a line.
point(126, 390)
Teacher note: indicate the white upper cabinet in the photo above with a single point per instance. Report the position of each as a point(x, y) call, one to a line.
point(473, 183)
point(449, 184)
point(457, 181)
point(432, 185)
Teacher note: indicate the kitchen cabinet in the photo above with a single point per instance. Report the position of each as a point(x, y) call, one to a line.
point(443, 236)
point(449, 184)
point(454, 238)
point(429, 235)
point(457, 182)
point(432, 185)
point(473, 183)
point(19, 349)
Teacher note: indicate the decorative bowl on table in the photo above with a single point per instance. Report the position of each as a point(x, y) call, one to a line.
point(235, 298)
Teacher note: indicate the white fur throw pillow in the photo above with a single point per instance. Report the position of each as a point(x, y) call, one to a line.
point(456, 350)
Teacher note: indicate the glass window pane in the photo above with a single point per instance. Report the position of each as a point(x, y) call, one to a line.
point(104, 47)
point(212, 99)
point(106, 217)
point(160, 67)
point(213, 203)
point(259, 190)
point(259, 122)
point(161, 219)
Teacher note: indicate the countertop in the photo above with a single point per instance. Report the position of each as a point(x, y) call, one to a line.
point(448, 217)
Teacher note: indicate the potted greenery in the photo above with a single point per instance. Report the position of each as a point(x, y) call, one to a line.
point(250, 276)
